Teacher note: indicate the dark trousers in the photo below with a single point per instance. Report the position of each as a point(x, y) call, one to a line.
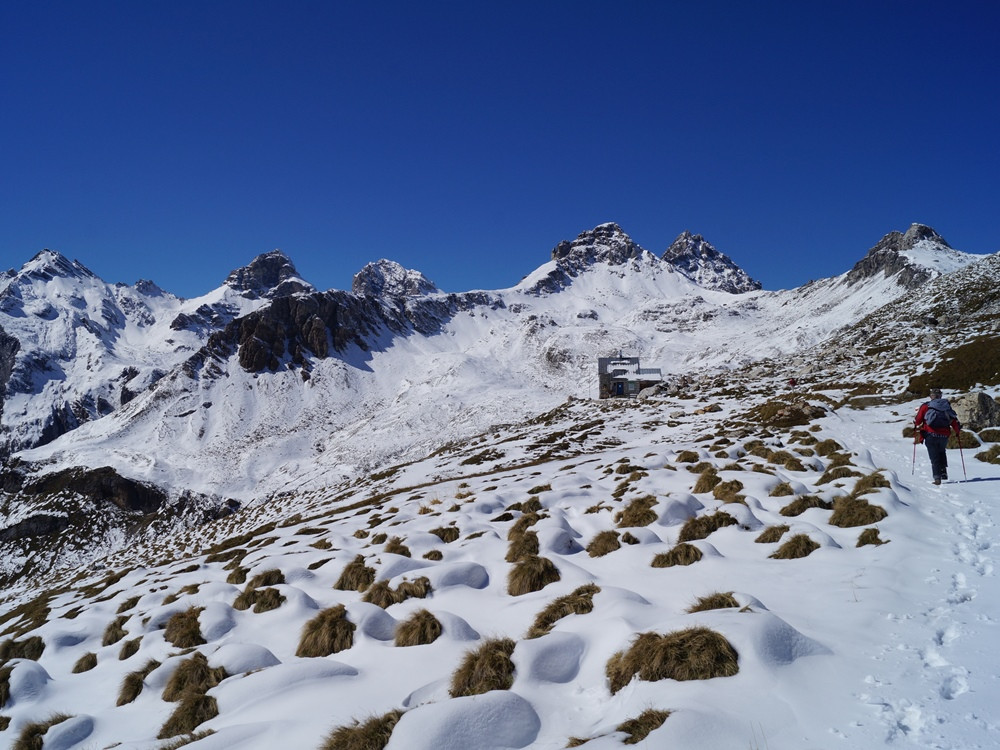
point(937, 452)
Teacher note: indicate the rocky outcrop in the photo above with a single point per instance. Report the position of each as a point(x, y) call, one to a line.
point(976, 410)
point(270, 275)
point(606, 244)
point(9, 347)
point(707, 267)
point(886, 258)
point(103, 485)
point(386, 278)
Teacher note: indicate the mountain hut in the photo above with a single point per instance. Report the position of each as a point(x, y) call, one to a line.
point(623, 377)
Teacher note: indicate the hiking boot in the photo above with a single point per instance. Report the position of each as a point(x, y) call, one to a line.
point(937, 480)
point(945, 475)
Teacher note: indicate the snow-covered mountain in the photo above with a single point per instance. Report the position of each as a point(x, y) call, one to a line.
point(74, 348)
point(445, 445)
point(703, 264)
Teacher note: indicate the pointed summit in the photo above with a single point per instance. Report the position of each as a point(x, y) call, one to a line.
point(386, 278)
point(50, 264)
point(912, 257)
point(606, 243)
point(707, 267)
point(269, 275)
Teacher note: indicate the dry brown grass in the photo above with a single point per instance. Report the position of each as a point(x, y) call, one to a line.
point(531, 573)
point(682, 554)
point(782, 489)
point(381, 594)
point(193, 710)
point(372, 734)
point(639, 728)
point(356, 576)
point(31, 736)
point(638, 513)
point(849, 512)
point(800, 505)
point(579, 602)
point(799, 545)
point(327, 633)
point(85, 663)
point(728, 492)
point(446, 534)
point(270, 577)
point(419, 629)
point(183, 630)
point(193, 675)
point(133, 683)
point(115, 631)
point(395, 546)
point(604, 543)
point(691, 654)
point(700, 527)
point(129, 648)
point(262, 600)
point(487, 668)
point(521, 546)
point(706, 481)
point(772, 534)
point(837, 472)
point(870, 536)
point(714, 601)
point(29, 648)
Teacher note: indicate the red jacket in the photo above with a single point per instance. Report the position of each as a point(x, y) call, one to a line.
point(918, 423)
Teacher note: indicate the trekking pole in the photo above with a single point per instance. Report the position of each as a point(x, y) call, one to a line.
point(913, 464)
point(961, 455)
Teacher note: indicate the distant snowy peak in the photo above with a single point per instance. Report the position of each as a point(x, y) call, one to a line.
point(386, 278)
point(270, 275)
point(912, 257)
point(49, 264)
point(707, 267)
point(606, 245)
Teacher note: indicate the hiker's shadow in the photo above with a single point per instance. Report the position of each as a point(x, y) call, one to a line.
point(976, 479)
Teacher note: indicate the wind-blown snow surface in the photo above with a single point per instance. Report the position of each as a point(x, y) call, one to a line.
point(849, 647)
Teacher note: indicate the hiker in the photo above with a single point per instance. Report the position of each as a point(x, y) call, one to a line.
point(933, 426)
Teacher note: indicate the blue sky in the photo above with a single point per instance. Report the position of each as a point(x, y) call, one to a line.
point(174, 141)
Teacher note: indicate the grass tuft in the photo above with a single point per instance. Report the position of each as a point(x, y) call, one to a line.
point(183, 630)
point(29, 648)
point(327, 633)
point(419, 629)
point(638, 513)
point(133, 683)
point(579, 602)
point(192, 676)
point(714, 601)
point(356, 576)
point(870, 536)
point(604, 543)
point(31, 736)
point(372, 734)
point(772, 534)
point(799, 545)
point(85, 663)
point(849, 512)
point(691, 654)
point(193, 710)
point(639, 728)
point(800, 505)
point(531, 573)
point(682, 554)
point(701, 527)
point(487, 668)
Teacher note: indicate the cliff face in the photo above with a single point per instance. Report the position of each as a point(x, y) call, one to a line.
point(888, 257)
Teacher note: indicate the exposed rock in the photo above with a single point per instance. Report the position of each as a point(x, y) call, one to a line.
point(269, 275)
point(886, 257)
point(103, 485)
point(386, 278)
point(606, 243)
point(976, 410)
point(9, 347)
point(704, 265)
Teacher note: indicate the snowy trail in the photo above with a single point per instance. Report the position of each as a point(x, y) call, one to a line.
point(933, 683)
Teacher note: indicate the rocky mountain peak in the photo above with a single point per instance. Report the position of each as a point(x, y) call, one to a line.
point(697, 259)
point(50, 264)
point(888, 257)
point(270, 275)
point(386, 278)
point(606, 243)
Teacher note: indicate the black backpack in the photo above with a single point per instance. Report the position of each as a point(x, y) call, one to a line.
point(936, 419)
